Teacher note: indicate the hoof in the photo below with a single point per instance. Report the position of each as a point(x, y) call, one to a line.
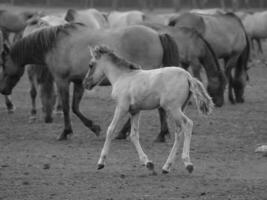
point(96, 129)
point(190, 168)
point(165, 171)
point(11, 110)
point(64, 135)
point(32, 119)
point(48, 120)
point(160, 140)
point(100, 166)
point(150, 166)
point(121, 136)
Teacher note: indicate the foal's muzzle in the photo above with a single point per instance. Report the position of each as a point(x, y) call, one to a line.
point(88, 84)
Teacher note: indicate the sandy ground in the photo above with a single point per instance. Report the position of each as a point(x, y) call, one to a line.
point(34, 165)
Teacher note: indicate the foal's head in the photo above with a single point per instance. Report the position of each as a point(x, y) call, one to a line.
point(101, 57)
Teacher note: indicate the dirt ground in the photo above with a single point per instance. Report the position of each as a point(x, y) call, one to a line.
point(34, 165)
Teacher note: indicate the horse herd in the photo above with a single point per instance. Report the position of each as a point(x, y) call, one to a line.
point(54, 50)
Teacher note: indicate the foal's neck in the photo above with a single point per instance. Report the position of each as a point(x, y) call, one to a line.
point(114, 72)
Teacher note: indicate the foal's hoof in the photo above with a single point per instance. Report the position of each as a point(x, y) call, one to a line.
point(190, 168)
point(150, 166)
point(100, 166)
point(165, 171)
point(96, 129)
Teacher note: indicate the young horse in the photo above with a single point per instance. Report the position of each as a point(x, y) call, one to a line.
point(134, 90)
point(62, 49)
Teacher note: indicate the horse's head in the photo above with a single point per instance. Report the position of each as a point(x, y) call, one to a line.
point(216, 88)
point(95, 74)
point(10, 73)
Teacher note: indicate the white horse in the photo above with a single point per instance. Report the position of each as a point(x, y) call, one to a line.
point(118, 19)
point(135, 89)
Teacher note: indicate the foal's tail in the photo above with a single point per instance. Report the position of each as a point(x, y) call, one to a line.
point(203, 100)
point(170, 50)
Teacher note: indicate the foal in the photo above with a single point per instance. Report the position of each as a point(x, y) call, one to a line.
point(135, 89)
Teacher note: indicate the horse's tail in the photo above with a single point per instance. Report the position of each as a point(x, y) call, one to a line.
point(170, 50)
point(203, 100)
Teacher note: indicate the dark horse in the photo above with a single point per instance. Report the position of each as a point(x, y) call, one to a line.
point(227, 37)
point(64, 50)
point(194, 51)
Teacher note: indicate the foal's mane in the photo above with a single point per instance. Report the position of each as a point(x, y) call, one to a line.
point(33, 48)
point(115, 58)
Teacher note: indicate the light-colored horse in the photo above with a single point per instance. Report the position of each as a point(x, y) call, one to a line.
point(90, 17)
point(118, 19)
point(210, 11)
point(63, 50)
point(227, 37)
point(159, 18)
point(255, 25)
point(41, 76)
point(135, 90)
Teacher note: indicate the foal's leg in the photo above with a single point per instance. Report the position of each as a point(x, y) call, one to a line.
point(10, 107)
point(119, 113)
point(177, 134)
point(163, 127)
point(135, 140)
point(63, 89)
point(77, 97)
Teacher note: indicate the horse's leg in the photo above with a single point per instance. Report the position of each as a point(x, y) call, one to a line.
point(10, 107)
point(119, 113)
point(63, 89)
point(134, 135)
point(164, 126)
point(124, 131)
point(78, 91)
point(259, 45)
point(58, 110)
point(33, 94)
point(48, 98)
point(230, 64)
point(177, 134)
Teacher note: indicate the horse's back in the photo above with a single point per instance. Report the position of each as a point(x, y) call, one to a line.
point(256, 24)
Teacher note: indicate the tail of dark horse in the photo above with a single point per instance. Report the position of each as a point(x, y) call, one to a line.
point(170, 50)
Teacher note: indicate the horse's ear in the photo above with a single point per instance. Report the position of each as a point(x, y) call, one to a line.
point(70, 15)
point(91, 51)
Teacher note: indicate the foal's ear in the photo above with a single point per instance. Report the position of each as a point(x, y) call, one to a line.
point(91, 51)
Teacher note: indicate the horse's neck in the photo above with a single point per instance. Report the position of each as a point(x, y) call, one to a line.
point(113, 72)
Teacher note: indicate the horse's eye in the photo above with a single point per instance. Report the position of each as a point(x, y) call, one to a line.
point(91, 65)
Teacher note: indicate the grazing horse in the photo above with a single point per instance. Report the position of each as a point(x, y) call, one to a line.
point(4, 48)
point(62, 49)
point(90, 17)
point(255, 25)
point(41, 75)
point(135, 90)
point(195, 51)
point(227, 37)
point(118, 19)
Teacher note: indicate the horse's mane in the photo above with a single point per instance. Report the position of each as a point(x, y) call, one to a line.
point(33, 48)
point(115, 58)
